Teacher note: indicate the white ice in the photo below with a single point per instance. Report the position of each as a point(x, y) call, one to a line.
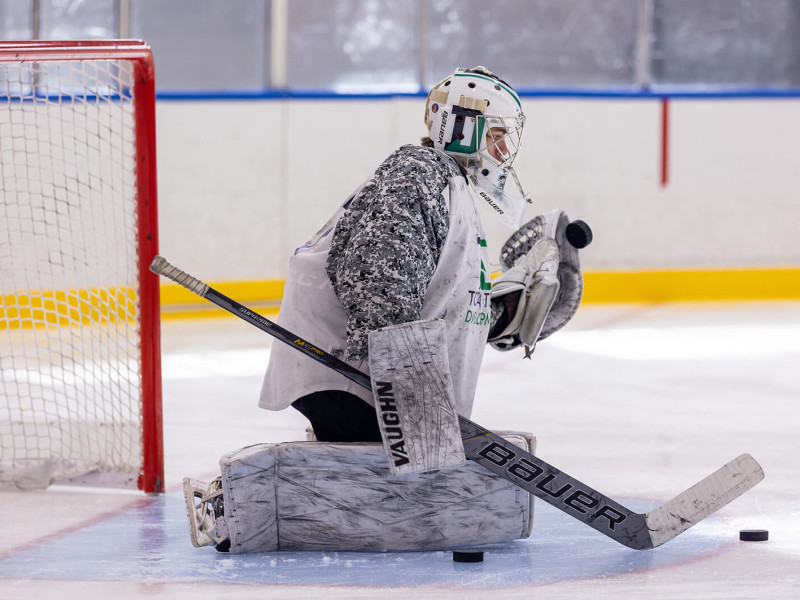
point(638, 401)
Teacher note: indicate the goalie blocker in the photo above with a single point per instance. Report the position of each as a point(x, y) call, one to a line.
point(414, 397)
point(326, 496)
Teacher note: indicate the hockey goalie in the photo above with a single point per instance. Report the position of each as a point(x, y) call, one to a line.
point(396, 284)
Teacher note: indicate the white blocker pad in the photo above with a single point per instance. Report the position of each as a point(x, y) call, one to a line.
point(414, 397)
point(325, 496)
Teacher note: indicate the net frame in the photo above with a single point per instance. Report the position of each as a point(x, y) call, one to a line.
point(151, 473)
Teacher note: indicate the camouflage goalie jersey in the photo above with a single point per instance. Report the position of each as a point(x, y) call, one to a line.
point(408, 245)
point(387, 245)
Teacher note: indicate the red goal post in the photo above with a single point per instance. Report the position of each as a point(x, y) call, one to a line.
point(115, 76)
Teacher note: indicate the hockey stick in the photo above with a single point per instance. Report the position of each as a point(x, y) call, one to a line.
point(640, 531)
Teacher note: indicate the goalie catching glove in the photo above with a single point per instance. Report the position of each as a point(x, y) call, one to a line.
point(541, 287)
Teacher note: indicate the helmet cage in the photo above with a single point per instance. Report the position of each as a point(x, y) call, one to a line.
point(502, 140)
point(490, 138)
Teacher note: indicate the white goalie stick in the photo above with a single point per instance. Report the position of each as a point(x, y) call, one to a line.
point(640, 531)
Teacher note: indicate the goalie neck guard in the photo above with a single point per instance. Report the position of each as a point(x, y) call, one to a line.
point(476, 117)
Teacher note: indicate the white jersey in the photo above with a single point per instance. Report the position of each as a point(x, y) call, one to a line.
point(459, 293)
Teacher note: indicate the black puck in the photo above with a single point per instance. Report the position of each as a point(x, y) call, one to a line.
point(579, 234)
point(468, 556)
point(754, 535)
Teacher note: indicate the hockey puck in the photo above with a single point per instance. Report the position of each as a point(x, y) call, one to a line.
point(579, 234)
point(467, 556)
point(754, 535)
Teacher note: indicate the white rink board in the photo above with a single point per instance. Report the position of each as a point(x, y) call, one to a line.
point(243, 183)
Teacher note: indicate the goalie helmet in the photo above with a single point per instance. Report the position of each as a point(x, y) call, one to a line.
point(476, 117)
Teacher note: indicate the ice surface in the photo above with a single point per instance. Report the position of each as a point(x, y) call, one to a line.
point(638, 401)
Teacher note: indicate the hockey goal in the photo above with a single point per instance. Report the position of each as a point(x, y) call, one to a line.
point(80, 380)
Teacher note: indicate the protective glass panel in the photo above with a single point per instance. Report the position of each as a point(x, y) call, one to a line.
point(354, 45)
point(743, 43)
point(549, 43)
point(78, 19)
point(16, 23)
point(16, 19)
point(206, 44)
point(74, 20)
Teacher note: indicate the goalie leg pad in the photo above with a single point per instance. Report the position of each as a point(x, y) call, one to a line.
point(249, 484)
point(414, 397)
point(326, 496)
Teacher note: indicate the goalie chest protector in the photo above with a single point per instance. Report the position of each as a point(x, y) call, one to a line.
point(459, 293)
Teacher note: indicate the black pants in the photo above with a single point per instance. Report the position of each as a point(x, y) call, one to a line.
point(339, 417)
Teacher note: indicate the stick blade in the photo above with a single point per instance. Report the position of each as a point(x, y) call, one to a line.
point(703, 499)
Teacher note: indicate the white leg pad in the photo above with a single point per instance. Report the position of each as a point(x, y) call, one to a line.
point(325, 496)
point(249, 492)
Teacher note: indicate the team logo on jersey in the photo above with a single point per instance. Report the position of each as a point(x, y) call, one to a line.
point(480, 300)
point(486, 279)
point(434, 107)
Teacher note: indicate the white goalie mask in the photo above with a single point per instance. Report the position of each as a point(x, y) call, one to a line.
point(476, 118)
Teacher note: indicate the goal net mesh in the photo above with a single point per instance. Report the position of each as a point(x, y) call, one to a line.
point(70, 360)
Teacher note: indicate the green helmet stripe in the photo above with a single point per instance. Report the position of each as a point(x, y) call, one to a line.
point(489, 79)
